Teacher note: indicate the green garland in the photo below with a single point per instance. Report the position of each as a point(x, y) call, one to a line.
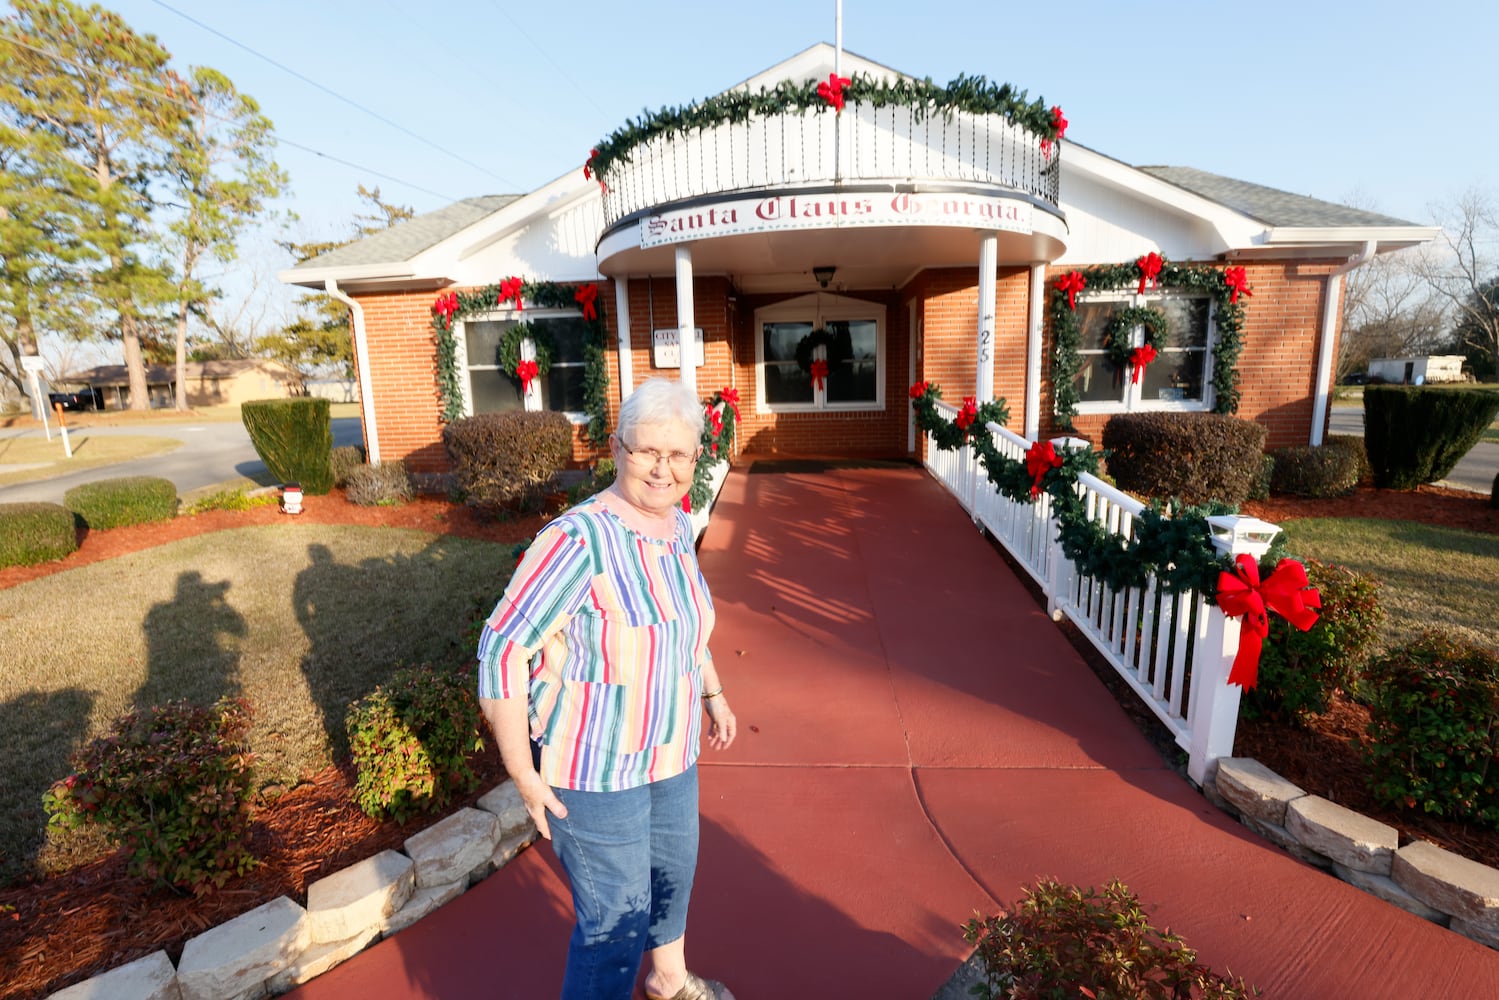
point(454, 306)
point(1177, 549)
point(716, 444)
point(1228, 317)
point(970, 94)
point(819, 337)
point(1116, 335)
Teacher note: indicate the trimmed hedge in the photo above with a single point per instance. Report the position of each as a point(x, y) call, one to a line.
point(294, 438)
point(32, 533)
point(114, 503)
point(1417, 435)
point(504, 460)
point(1328, 471)
point(379, 485)
point(1191, 457)
point(1354, 445)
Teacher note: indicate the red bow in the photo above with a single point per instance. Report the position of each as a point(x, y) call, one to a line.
point(1072, 282)
point(1238, 283)
point(1150, 270)
point(526, 371)
point(687, 502)
point(968, 414)
point(819, 372)
point(919, 389)
point(510, 289)
point(731, 396)
point(446, 306)
point(585, 296)
point(715, 424)
point(1058, 124)
point(1040, 459)
point(1138, 359)
point(1285, 591)
point(831, 90)
point(593, 154)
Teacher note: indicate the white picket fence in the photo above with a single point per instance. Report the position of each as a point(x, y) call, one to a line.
point(1174, 650)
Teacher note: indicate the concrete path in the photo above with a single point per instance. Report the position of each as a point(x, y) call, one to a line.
point(918, 742)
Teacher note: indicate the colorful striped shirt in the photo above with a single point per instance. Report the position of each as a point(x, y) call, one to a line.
point(606, 631)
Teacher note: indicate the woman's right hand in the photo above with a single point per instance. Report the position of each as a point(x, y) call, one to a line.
point(539, 800)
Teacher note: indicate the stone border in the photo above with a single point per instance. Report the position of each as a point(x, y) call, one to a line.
point(280, 945)
point(1421, 878)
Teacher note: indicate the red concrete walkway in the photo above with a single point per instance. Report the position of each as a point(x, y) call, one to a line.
point(917, 742)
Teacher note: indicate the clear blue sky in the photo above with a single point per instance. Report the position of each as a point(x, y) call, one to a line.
point(1391, 105)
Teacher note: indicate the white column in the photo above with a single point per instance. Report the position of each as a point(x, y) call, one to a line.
point(1033, 330)
point(686, 345)
point(1326, 364)
point(622, 318)
point(988, 264)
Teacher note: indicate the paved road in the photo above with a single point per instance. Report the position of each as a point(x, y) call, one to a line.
point(211, 452)
point(1476, 470)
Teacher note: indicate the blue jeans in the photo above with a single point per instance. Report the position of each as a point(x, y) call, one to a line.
point(630, 857)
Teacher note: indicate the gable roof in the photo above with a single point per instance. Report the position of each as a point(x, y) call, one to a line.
point(404, 241)
point(1269, 205)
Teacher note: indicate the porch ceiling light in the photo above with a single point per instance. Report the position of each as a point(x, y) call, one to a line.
point(824, 274)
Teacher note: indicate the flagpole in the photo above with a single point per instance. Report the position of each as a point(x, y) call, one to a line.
point(838, 37)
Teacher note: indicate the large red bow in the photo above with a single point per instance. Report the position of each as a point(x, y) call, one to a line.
point(510, 289)
point(585, 297)
point(526, 371)
point(1285, 591)
point(715, 424)
point(831, 90)
point(731, 396)
point(819, 372)
point(968, 414)
point(1058, 124)
point(1150, 270)
point(919, 389)
point(1072, 282)
point(1040, 459)
point(1237, 282)
point(446, 306)
point(1138, 359)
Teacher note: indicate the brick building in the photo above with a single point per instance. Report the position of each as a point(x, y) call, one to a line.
point(829, 259)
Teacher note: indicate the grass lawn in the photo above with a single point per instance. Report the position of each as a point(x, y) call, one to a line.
point(44, 459)
point(301, 619)
point(1431, 576)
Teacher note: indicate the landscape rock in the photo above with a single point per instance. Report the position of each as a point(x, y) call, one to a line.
point(1451, 883)
point(1255, 790)
point(149, 978)
point(359, 897)
point(234, 960)
point(451, 848)
point(1348, 838)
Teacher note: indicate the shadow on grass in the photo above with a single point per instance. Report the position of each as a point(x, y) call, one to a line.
point(51, 725)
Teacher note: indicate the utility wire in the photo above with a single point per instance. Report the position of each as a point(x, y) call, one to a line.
point(331, 93)
point(164, 95)
point(545, 55)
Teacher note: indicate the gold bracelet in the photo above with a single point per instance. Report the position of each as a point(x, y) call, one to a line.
point(713, 694)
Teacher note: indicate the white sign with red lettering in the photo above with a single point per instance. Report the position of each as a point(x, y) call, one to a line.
point(788, 212)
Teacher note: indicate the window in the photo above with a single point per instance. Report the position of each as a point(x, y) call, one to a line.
point(1178, 378)
point(852, 344)
point(494, 390)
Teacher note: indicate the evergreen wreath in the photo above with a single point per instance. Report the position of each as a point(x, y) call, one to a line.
point(1228, 319)
point(819, 337)
point(1175, 546)
point(1120, 329)
point(453, 306)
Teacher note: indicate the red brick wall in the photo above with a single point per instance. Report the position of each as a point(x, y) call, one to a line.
point(403, 378)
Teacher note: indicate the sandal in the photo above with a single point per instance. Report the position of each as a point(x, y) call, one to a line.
point(697, 988)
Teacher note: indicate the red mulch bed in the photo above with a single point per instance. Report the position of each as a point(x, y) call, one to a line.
point(72, 926)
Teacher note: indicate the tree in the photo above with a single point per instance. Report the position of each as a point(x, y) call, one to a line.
point(1466, 277)
point(1389, 311)
point(97, 111)
point(322, 336)
point(223, 175)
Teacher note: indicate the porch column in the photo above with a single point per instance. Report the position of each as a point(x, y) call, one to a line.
point(686, 346)
point(1033, 329)
point(622, 319)
point(988, 264)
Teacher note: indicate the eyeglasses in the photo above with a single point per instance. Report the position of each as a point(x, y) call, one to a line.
point(649, 458)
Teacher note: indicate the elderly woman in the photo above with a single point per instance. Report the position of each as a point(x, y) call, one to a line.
point(598, 652)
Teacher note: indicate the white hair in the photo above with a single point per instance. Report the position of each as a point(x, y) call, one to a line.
point(659, 401)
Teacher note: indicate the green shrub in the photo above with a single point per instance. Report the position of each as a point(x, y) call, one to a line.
point(1355, 445)
point(172, 785)
point(1260, 488)
point(379, 485)
point(113, 503)
point(294, 438)
point(1191, 457)
point(600, 477)
point(410, 739)
point(504, 460)
point(1299, 671)
point(1417, 435)
point(32, 533)
point(238, 498)
point(1434, 728)
point(1314, 472)
point(1062, 941)
point(343, 460)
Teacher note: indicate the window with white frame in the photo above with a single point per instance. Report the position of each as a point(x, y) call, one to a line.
point(846, 335)
point(1178, 378)
point(491, 389)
